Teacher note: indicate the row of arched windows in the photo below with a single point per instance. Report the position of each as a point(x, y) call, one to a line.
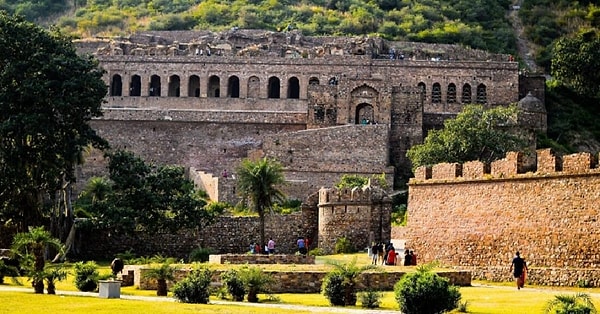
point(466, 95)
point(213, 88)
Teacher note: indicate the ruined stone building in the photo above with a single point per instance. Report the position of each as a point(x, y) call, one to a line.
point(322, 106)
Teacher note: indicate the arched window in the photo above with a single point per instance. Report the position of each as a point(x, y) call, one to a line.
point(423, 89)
point(293, 88)
point(481, 94)
point(436, 93)
point(313, 81)
point(233, 87)
point(135, 86)
point(253, 87)
point(174, 86)
point(116, 86)
point(274, 85)
point(214, 86)
point(154, 89)
point(194, 86)
point(466, 94)
point(451, 97)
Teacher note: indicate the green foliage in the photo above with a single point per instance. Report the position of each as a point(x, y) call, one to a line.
point(258, 182)
point(317, 252)
point(339, 285)
point(161, 274)
point(344, 246)
point(48, 95)
point(86, 276)
point(200, 254)
point(576, 63)
point(52, 274)
point(140, 196)
point(579, 303)
point(233, 284)
point(287, 207)
point(462, 307)
point(425, 292)
point(370, 299)
point(399, 215)
point(255, 281)
point(349, 181)
point(7, 271)
point(474, 134)
point(194, 288)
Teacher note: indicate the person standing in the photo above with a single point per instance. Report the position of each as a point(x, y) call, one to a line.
point(519, 268)
point(271, 246)
point(301, 246)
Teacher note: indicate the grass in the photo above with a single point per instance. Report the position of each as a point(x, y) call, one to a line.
point(483, 297)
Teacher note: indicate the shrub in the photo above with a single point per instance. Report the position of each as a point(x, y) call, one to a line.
point(194, 287)
point(343, 245)
point(370, 299)
point(199, 254)
point(86, 276)
point(425, 292)
point(579, 303)
point(339, 285)
point(234, 284)
point(7, 270)
point(255, 281)
point(161, 274)
point(316, 252)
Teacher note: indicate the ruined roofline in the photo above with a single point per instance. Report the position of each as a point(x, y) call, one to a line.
point(509, 167)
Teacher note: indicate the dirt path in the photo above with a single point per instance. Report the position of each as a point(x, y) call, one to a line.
point(525, 48)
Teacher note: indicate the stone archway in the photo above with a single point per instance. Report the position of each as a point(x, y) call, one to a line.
point(364, 114)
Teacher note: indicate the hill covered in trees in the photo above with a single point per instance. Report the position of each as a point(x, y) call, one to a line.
point(493, 25)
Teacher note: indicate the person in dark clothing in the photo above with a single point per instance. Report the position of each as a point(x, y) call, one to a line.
point(407, 258)
point(519, 267)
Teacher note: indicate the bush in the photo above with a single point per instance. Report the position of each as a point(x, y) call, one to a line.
point(234, 284)
point(255, 281)
point(343, 245)
point(333, 288)
point(194, 287)
point(317, 252)
point(199, 254)
point(425, 292)
point(86, 276)
point(7, 271)
point(370, 299)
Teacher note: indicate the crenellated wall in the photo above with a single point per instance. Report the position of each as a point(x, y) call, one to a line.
point(359, 215)
point(475, 218)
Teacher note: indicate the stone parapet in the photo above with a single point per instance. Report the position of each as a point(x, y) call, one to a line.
point(261, 259)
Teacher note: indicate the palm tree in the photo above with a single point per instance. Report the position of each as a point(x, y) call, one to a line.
point(257, 182)
point(579, 303)
point(161, 273)
point(342, 281)
point(35, 242)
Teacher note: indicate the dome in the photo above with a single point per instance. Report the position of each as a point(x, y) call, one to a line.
point(532, 104)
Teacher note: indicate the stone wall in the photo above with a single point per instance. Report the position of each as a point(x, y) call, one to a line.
point(261, 259)
point(225, 235)
point(477, 222)
point(311, 281)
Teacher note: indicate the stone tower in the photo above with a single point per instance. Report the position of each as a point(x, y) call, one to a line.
point(361, 215)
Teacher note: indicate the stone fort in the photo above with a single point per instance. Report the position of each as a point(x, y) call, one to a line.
point(322, 106)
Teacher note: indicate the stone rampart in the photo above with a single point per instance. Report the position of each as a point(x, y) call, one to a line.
point(261, 259)
point(310, 281)
point(476, 220)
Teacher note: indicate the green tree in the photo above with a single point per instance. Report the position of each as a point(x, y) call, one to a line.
point(257, 181)
point(255, 281)
point(576, 63)
point(48, 94)
point(145, 197)
point(35, 243)
point(475, 134)
point(349, 181)
point(579, 303)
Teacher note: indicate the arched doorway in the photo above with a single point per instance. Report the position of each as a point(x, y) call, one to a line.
point(364, 114)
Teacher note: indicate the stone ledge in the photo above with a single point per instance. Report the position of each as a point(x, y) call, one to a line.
point(260, 259)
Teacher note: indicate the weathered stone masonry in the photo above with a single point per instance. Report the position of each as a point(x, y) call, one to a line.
point(474, 219)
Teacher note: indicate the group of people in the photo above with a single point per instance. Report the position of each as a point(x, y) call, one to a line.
point(410, 258)
point(386, 254)
point(303, 244)
point(254, 248)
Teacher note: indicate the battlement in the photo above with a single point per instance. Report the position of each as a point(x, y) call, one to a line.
point(511, 166)
point(366, 194)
